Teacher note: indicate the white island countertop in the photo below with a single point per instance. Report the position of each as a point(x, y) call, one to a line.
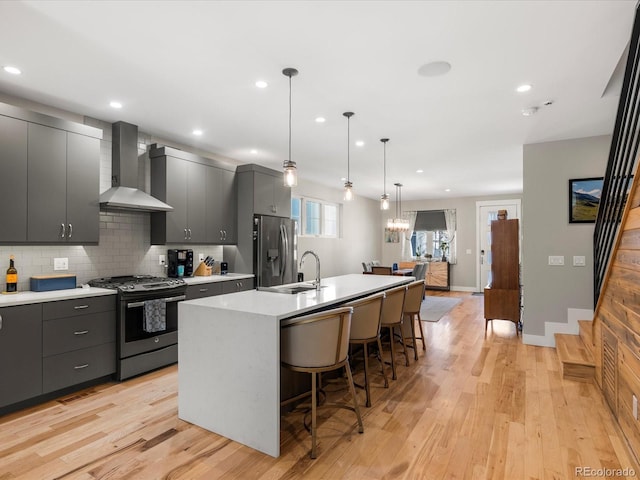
point(229, 355)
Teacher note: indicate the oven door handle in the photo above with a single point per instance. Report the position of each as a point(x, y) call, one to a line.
point(169, 299)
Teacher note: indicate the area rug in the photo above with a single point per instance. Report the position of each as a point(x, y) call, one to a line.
point(434, 308)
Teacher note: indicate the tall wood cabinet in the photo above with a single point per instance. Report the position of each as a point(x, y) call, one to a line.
point(502, 295)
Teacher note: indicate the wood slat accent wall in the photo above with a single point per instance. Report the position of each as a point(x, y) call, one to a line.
point(616, 326)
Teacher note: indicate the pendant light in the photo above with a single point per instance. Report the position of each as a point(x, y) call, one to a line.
point(348, 186)
point(290, 170)
point(398, 223)
point(384, 199)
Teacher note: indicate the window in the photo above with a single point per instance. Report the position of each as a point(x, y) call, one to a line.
point(434, 235)
point(315, 217)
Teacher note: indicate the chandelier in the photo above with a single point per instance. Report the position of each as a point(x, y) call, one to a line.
point(398, 224)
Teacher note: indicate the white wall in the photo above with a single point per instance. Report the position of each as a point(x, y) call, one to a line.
point(550, 291)
point(360, 239)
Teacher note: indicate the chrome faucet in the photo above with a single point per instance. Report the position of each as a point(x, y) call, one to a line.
point(310, 252)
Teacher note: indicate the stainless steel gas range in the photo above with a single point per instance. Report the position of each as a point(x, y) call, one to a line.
point(147, 321)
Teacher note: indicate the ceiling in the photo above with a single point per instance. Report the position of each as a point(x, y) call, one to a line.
point(177, 66)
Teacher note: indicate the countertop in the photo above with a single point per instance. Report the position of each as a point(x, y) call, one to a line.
point(282, 305)
point(28, 297)
point(227, 277)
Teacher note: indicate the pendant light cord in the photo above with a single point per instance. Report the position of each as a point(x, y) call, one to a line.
point(289, 118)
point(348, 146)
point(384, 168)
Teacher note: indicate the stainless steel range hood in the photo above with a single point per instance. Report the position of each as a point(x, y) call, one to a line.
point(124, 194)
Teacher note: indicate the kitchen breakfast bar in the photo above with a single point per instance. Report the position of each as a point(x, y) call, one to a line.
point(229, 355)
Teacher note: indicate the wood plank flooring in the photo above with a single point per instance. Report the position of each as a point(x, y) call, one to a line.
point(470, 407)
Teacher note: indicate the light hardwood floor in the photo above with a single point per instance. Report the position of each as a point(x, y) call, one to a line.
point(470, 407)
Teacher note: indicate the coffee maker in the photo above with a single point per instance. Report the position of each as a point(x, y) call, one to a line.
point(180, 263)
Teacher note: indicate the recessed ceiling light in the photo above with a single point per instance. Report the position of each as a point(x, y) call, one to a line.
point(261, 84)
point(447, 189)
point(434, 69)
point(420, 170)
point(320, 119)
point(12, 70)
point(359, 143)
point(343, 179)
point(523, 88)
point(197, 132)
point(115, 104)
point(254, 151)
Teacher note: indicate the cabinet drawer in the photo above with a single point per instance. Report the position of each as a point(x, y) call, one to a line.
point(78, 306)
point(67, 369)
point(74, 333)
point(204, 290)
point(237, 285)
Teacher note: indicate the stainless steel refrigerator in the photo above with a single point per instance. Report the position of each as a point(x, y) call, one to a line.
point(275, 245)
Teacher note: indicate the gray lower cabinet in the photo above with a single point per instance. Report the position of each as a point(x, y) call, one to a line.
point(78, 341)
point(13, 179)
point(20, 353)
point(204, 290)
point(237, 285)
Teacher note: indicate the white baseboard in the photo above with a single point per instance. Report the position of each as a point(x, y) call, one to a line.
point(551, 328)
point(461, 289)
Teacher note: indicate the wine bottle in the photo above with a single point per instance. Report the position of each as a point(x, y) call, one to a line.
point(12, 277)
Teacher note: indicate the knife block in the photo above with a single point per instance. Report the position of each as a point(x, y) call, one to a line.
point(202, 271)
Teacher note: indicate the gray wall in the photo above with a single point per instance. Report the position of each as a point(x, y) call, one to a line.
point(549, 291)
point(464, 272)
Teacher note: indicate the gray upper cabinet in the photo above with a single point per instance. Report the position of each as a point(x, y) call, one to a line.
point(221, 206)
point(51, 168)
point(13, 180)
point(266, 189)
point(202, 193)
point(20, 353)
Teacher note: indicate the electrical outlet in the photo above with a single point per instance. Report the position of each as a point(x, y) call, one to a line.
point(162, 259)
point(61, 264)
point(579, 261)
point(201, 257)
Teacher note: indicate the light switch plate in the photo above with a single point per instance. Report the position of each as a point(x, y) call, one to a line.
point(61, 263)
point(579, 261)
point(201, 257)
point(161, 259)
point(556, 260)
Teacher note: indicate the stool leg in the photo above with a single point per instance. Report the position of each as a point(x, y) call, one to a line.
point(393, 354)
point(366, 375)
point(353, 395)
point(424, 347)
point(313, 415)
point(413, 334)
point(384, 374)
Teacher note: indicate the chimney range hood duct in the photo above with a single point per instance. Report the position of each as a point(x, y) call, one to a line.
point(124, 194)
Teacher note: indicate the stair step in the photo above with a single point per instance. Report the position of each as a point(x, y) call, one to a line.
point(577, 361)
point(586, 334)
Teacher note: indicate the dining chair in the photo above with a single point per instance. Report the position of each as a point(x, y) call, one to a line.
point(391, 317)
point(365, 329)
point(411, 312)
point(319, 343)
point(377, 270)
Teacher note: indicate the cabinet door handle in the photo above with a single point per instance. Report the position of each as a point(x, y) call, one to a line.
point(80, 367)
point(81, 332)
point(80, 307)
point(0, 322)
point(189, 234)
point(221, 235)
point(225, 234)
point(62, 232)
point(70, 230)
point(185, 233)
point(204, 290)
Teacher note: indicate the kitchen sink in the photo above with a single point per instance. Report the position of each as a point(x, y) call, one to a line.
point(290, 289)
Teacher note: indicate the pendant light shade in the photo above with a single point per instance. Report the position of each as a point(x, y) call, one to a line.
point(289, 166)
point(348, 186)
point(398, 223)
point(384, 198)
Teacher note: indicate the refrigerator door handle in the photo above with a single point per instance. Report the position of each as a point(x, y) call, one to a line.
point(284, 241)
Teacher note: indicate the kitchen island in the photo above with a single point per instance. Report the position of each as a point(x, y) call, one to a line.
point(229, 355)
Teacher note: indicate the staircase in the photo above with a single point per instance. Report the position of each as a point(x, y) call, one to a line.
point(576, 352)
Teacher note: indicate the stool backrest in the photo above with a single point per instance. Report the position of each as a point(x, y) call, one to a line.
point(414, 296)
point(365, 320)
point(393, 305)
point(316, 340)
point(419, 271)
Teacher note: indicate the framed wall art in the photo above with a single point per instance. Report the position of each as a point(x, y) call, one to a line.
point(584, 199)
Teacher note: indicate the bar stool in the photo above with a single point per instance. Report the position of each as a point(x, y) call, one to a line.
point(391, 317)
point(319, 343)
point(365, 329)
point(411, 311)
